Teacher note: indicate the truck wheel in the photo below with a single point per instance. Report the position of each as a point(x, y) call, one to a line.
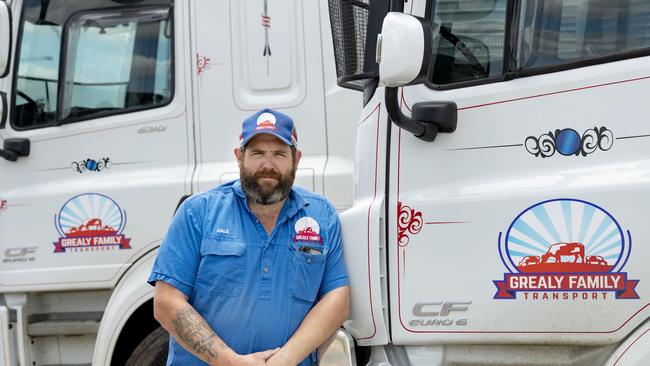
point(152, 351)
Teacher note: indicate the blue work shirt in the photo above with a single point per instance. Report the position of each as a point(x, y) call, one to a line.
point(252, 288)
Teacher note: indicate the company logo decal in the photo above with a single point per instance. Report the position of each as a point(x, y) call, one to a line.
point(90, 222)
point(565, 249)
point(91, 165)
point(307, 229)
point(569, 142)
point(3, 205)
point(266, 121)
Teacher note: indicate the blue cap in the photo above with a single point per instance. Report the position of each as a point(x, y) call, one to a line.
point(269, 122)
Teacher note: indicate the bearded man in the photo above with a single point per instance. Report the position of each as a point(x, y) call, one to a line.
point(252, 272)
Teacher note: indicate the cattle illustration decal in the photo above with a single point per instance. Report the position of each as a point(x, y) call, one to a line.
point(559, 250)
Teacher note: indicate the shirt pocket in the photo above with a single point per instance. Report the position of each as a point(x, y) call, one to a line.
point(307, 274)
point(222, 267)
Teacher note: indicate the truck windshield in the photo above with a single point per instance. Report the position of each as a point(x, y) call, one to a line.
point(469, 37)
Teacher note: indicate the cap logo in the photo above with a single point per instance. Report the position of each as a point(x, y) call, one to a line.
point(266, 121)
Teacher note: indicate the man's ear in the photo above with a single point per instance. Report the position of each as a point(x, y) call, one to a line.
point(298, 156)
point(238, 154)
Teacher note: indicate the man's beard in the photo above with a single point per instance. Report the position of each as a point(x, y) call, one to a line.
point(260, 194)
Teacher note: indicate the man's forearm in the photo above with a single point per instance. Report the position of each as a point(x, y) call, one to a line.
point(189, 328)
point(319, 324)
point(195, 334)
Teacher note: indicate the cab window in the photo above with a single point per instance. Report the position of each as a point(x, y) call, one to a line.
point(563, 32)
point(468, 40)
point(470, 37)
point(77, 63)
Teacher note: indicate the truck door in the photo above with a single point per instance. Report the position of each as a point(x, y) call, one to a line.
point(527, 223)
point(98, 92)
point(250, 55)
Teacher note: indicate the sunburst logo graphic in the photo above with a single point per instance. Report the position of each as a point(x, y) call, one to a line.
point(565, 245)
point(90, 222)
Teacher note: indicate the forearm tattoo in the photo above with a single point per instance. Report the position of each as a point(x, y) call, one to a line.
point(192, 329)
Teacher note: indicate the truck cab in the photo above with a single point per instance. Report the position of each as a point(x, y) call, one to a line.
point(111, 113)
point(491, 131)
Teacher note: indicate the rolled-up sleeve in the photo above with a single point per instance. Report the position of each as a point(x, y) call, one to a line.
point(335, 274)
point(179, 255)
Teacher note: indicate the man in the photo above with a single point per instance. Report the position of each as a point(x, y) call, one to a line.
point(252, 272)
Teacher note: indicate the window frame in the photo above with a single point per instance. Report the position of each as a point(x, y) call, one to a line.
point(509, 62)
point(170, 8)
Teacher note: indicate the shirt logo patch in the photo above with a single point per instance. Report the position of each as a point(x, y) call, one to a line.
point(307, 229)
point(223, 231)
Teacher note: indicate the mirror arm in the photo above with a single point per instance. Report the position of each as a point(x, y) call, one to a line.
point(3, 109)
point(423, 131)
point(397, 5)
point(8, 155)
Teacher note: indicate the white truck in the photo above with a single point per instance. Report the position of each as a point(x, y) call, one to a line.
point(501, 153)
point(114, 111)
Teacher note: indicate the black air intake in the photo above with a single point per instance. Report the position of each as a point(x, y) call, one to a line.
point(355, 62)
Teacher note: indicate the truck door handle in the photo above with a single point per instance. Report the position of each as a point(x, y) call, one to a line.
point(13, 148)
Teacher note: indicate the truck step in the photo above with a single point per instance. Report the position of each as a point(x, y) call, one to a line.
point(50, 324)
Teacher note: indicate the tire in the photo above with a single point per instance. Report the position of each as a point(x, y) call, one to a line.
point(152, 351)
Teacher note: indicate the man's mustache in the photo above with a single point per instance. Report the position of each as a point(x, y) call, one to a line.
point(267, 173)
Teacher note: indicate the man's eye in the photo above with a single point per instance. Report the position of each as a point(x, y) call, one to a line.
point(280, 154)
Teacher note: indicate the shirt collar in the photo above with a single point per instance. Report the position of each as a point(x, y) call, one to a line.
point(295, 202)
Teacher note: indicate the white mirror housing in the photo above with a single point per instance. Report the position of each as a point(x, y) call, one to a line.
point(5, 38)
point(403, 50)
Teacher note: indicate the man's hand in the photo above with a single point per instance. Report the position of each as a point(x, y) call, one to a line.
point(253, 359)
point(279, 360)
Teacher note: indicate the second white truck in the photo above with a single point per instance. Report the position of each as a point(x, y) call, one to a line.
point(501, 181)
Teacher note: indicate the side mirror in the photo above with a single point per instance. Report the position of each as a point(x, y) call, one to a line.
point(5, 38)
point(404, 54)
point(403, 50)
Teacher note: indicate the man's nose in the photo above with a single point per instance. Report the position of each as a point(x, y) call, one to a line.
point(267, 161)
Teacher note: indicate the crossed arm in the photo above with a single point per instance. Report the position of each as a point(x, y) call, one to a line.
point(189, 328)
point(179, 318)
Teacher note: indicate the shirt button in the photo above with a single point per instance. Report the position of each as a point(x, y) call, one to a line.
point(308, 260)
point(266, 269)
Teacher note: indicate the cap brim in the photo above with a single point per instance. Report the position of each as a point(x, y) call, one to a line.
point(257, 133)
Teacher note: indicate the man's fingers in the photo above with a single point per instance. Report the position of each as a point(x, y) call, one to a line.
point(265, 355)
